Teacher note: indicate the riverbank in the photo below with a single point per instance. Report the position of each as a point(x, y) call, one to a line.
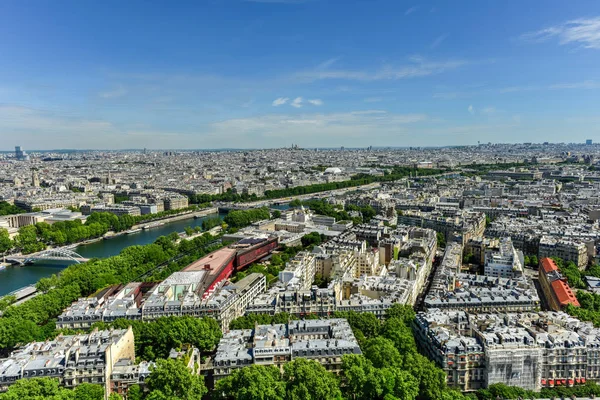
point(165, 220)
point(13, 278)
point(185, 215)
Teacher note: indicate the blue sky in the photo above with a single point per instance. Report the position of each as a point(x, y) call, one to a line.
point(317, 73)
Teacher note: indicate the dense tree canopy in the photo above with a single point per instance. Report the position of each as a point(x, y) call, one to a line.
point(256, 382)
point(8, 209)
point(362, 381)
point(241, 218)
point(6, 242)
point(48, 388)
point(309, 380)
point(362, 179)
point(312, 239)
point(210, 223)
point(154, 340)
point(170, 379)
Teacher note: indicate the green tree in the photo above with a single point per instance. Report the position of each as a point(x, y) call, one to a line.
point(27, 240)
point(403, 312)
point(8, 209)
point(441, 239)
point(45, 284)
point(432, 380)
point(364, 325)
point(155, 339)
point(5, 241)
point(115, 396)
point(533, 261)
point(210, 223)
point(88, 391)
point(250, 383)
point(134, 393)
point(399, 334)
point(382, 353)
point(276, 214)
point(14, 331)
point(170, 379)
point(365, 382)
point(37, 389)
point(242, 218)
point(6, 301)
point(311, 239)
point(309, 380)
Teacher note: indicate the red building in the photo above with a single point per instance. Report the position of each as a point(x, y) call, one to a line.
point(556, 290)
point(220, 264)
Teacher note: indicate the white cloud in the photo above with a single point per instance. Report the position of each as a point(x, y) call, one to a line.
point(316, 102)
point(489, 110)
point(583, 31)
point(112, 94)
point(356, 124)
point(297, 102)
point(471, 109)
point(280, 101)
point(373, 99)
point(418, 67)
point(438, 40)
point(328, 63)
point(411, 10)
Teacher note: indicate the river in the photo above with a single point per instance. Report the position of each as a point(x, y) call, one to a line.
point(13, 278)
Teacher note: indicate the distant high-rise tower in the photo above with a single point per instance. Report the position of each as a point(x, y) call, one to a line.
point(35, 179)
point(109, 179)
point(20, 154)
point(588, 142)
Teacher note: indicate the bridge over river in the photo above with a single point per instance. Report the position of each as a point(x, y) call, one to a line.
point(62, 254)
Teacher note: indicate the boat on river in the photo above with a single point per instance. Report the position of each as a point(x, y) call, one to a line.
point(153, 225)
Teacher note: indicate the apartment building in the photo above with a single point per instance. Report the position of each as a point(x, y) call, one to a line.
point(299, 272)
point(324, 341)
point(175, 202)
point(116, 209)
point(531, 350)
point(441, 336)
point(506, 262)
point(316, 301)
point(73, 359)
point(460, 226)
point(478, 246)
point(568, 250)
point(175, 296)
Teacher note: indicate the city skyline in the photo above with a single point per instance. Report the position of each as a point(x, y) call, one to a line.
point(322, 74)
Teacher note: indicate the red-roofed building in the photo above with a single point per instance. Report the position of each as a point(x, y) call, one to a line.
point(563, 293)
point(548, 265)
point(556, 290)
